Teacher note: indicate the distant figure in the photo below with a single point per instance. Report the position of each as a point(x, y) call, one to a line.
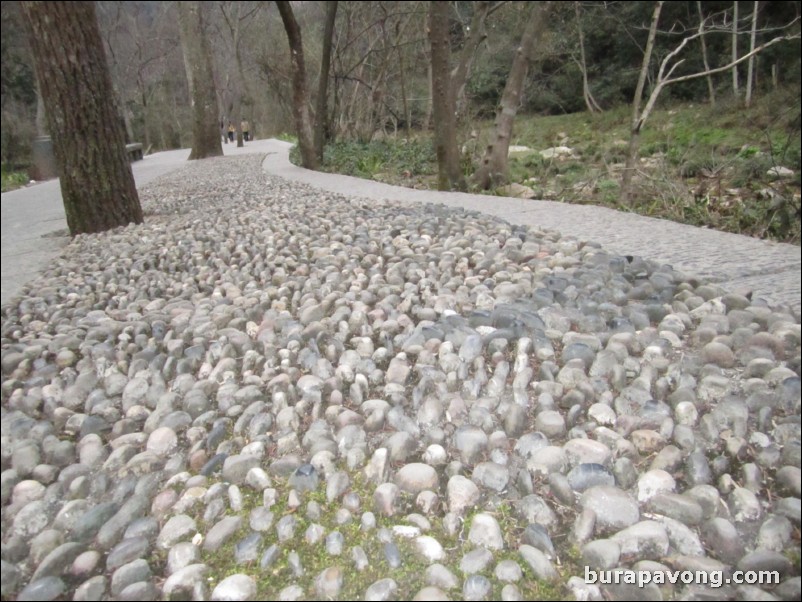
point(245, 126)
point(231, 131)
point(223, 130)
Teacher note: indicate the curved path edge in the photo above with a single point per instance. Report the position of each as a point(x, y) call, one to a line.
point(33, 226)
point(742, 264)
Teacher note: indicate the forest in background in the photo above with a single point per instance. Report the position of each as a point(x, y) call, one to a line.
point(587, 58)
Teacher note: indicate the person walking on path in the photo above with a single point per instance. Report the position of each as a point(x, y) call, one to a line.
point(245, 127)
point(231, 131)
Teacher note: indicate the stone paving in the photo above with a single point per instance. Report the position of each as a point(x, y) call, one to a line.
point(740, 263)
point(273, 391)
point(769, 270)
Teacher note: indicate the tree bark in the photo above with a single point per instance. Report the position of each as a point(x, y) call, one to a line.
point(321, 106)
point(197, 60)
point(637, 119)
point(97, 184)
point(493, 169)
point(300, 93)
point(449, 175)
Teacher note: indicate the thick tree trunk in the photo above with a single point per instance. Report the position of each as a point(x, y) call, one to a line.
point(321, 106)
point(97, 184)
point(197, 59)
point(493, 169)
point(443, 102)
point(637, 118)
point(300, 94)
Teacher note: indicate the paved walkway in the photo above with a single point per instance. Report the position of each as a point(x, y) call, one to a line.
point(740, 263)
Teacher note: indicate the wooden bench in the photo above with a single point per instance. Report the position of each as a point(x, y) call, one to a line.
point(134, 151)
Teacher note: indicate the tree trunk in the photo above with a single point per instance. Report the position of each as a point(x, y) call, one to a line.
point(146, 119)
point(427, 119)
point(590, 102)
point(205, 140)
point(404, 102)
point(637, 120)
point(711, 90)
point(751, 64)
point(735, 48)
point(476, 34)
point(233, 22)
point(493, 169)
point(321, 107)
point(41, 117)
point(449, 175)
point(300, 93)
point(239, 81)
point(97, 184)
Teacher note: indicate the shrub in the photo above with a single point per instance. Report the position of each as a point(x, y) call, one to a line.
point(13, 179)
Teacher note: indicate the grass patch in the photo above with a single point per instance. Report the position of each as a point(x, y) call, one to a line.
point(395, 161)
point(701, 165)
point(287, 137)
point(410, 576)
point(11, 180)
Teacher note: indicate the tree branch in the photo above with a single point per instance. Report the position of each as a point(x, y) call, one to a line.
point(730, 65)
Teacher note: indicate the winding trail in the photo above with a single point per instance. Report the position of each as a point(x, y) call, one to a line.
point(33, 227)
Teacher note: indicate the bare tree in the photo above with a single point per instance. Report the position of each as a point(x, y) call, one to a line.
point(590, 102)
point(234, 80)
point(378, 66)
point(403, 81)
point(97, 185)
point(300, 94)
point(735, 87)
point(230, 24)
point(205, 136)
point(443, 101)
point(322, 101)
point(711, 89)
point(637, 118)
point(493, 169)
point(751, 64)
point(665, 77)
point(143, 47)
point(476, 35)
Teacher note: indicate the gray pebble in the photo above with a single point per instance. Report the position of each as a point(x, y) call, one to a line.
point(235, 587)
point(383, 589)
point(476, 587)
